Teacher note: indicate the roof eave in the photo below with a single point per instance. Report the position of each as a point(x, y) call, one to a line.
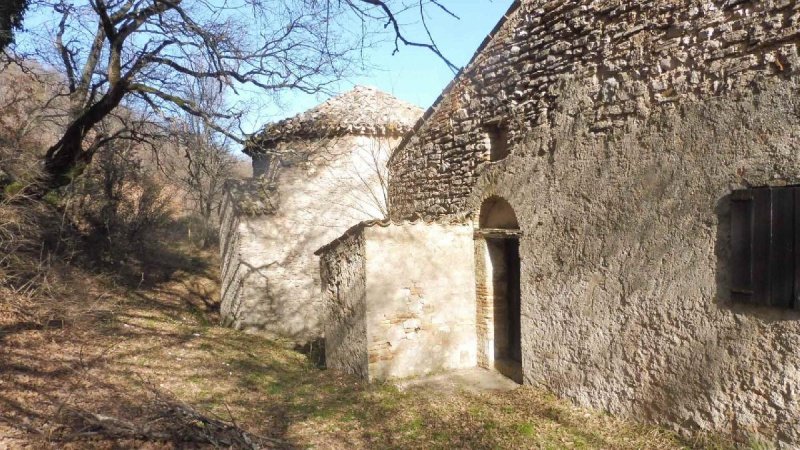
point(429, 112)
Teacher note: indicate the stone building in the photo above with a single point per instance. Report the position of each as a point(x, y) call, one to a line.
point(613, 184)
point(314, 175)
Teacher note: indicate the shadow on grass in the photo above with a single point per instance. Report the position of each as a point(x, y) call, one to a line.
point(157, 370)
point(133, 381)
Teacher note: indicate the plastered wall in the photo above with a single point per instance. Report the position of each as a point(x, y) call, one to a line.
point(630, 123)
point(322, 187)
point(419, 297)
point(625, 286)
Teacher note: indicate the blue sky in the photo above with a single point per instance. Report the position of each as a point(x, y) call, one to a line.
point(414, 75)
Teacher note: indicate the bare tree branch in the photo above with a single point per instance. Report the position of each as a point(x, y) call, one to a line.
point(137, 54)
point(401, 37)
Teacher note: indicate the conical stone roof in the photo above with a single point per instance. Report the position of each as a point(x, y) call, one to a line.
point(361, 111)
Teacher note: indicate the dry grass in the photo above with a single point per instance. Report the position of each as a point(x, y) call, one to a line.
point(148, 369)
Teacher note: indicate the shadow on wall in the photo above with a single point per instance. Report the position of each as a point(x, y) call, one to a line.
point(269, 308)
point(332, 185)
point(727, 375)
point(262, 297)
point(342, 271)
point(346, 339)
point(283, 294)
point(234, 313)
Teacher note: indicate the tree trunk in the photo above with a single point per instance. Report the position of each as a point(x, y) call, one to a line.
point(67, 158)
point(64, 157)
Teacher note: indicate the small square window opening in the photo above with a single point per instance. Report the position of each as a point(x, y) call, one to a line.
point(765, 246)
point(497, 141)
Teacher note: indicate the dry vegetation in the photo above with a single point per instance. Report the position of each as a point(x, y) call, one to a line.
point(108, 337)
point(148, 368)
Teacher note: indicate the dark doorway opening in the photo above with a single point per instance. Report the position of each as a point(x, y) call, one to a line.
point(498, 295)
point(505, 273)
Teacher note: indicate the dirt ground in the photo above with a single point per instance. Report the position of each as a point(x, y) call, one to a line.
point(148, 368)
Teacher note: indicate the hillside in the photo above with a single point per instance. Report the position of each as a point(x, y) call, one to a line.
point(109, 333)
point(147, 367)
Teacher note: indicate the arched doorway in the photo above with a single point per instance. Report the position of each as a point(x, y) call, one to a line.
point(498, 288)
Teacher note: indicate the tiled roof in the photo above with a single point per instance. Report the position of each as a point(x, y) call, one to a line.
point(361, 111)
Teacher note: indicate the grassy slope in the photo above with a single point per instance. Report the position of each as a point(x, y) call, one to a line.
point(112, 374)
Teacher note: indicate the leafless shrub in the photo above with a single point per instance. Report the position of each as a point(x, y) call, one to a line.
point(199, 161)
point(118, 205)
point(25, 259)
point(136, 54)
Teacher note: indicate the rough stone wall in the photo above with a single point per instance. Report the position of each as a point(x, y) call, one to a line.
point(420, 312)
point(626, 297)
point(630, 124)
point(633, 57)
point(400, 299)
point(343, 273)
point(625, 291)
point(320, 189)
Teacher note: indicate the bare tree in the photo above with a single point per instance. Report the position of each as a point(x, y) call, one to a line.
point(120, 200)
point(137, 53)
point(370, 177)
point(204, 160)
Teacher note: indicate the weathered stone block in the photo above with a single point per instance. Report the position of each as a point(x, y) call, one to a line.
point(428, 263)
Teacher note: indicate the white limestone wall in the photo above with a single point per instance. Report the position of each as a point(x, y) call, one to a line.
point(420, 291)
point(230, 255)
point(328, 186)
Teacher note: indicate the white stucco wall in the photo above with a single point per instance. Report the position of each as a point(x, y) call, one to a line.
point(420, 290)
point(318, 198)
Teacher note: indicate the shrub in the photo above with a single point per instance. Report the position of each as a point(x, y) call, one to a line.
point(12, 189)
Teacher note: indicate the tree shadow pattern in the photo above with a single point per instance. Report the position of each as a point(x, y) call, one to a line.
point(153, 371)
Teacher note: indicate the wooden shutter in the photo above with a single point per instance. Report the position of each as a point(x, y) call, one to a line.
point(796, 261)
point(765, 268)
point(743, 285)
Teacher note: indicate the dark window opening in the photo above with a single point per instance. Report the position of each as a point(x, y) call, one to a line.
point(260, 164)
point(765, 246)
point(497, 140)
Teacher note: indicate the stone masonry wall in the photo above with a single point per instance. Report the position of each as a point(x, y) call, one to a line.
point(630, 123)
point(320, 189)
point(633, 57)
point(420, 299)
point(625, 280)
point(400, 299)
point(343, 273)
